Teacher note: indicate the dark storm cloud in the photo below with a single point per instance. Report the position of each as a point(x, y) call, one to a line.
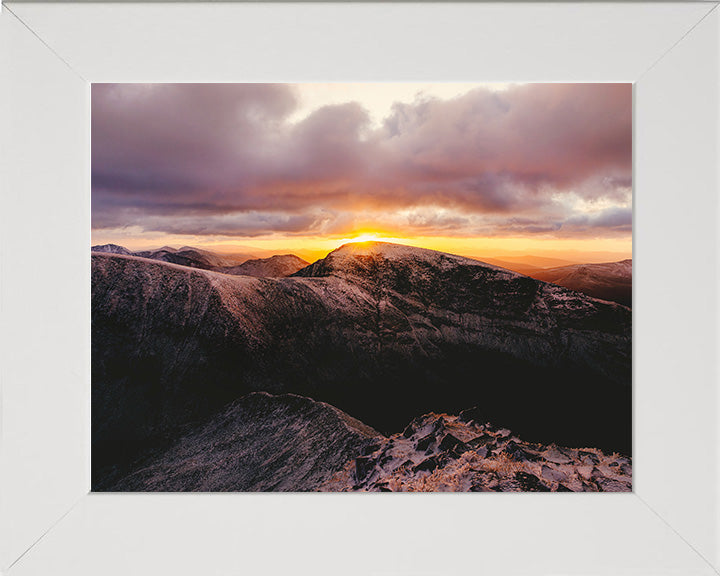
point(224, 159)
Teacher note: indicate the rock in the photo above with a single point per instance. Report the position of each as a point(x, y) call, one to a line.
point(508, 485)
point(553, 474)
point(520, 456)
point(516, 453)
point(425, 442)
point(451, 443)
point(480, 440)
point(427, 465)
point(585, 472)
point(588, 458)
point(596, 473)
point(511, 446)
point(370, 448)
point(439, 425)
point(484, 482)
point(610, 485)
point(554, 455)
point(386, 458)
point(563, 488)
point(483, 452)
point(530, 482)
point(409, 430)
point(473, 414)
point(363, 467)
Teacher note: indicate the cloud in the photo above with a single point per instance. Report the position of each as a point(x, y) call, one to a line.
point(225, 159)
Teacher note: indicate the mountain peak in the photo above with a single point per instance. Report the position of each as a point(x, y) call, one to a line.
point(373, 258)
point(277, 266)
point(111, 249)
point(370, 247)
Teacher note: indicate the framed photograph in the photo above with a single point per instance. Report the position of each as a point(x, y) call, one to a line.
point(408, 248)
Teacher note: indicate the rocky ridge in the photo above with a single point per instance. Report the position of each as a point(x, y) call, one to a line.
point(444, 453)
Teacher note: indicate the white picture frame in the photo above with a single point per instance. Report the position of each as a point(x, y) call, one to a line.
point(51, 524)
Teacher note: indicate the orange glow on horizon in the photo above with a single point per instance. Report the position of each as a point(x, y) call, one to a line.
point(314, 247)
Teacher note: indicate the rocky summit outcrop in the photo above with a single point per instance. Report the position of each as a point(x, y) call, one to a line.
point(258, 443)
point(278, 266)
point(443, 453)
point(383, 332)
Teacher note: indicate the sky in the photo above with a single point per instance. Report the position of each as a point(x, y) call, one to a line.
point(474, 169)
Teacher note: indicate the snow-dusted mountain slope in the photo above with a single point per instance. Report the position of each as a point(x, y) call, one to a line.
point(258, 443)
point(278, 266)
point(608, 281)
point(189, 256)
point(382, 332)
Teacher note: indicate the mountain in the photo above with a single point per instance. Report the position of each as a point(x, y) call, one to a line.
point(278, 266)
point(382, 332)
point(525, 264)
point(259, 443)
point(539, 261)
point(518, 267)
point(263, 442)
point(609, 281)
point(110, 249)
point(189, 256)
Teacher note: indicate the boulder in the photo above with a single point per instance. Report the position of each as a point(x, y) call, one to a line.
point(553, 474)
point(530, 482)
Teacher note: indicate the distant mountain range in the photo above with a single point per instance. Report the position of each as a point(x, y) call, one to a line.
point(189, 256)
point(382, 332)
point(608, 281)
point(237, 264)
point(526, 264)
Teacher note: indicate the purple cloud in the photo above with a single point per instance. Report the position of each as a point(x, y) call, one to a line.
point(225, 159)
